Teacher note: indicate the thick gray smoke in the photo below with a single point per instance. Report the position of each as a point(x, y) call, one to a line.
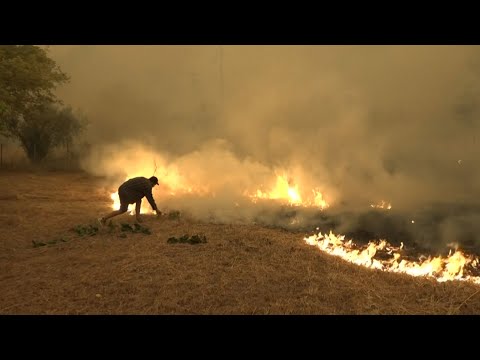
point(361, 123)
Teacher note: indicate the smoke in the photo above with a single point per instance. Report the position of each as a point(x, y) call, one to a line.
point(363, 123)
point(211, 184)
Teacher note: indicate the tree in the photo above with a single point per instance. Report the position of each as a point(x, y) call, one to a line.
point(28, 78)
point(47, 127)
point(29, 110)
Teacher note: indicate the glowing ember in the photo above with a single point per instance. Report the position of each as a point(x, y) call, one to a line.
point(382, 205)
point(440, 268)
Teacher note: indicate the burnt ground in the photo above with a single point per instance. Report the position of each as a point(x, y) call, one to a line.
point(47, 267)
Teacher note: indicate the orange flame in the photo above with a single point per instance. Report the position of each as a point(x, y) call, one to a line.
point(283, 191)
point(382, 205)
point(171, 183)
point(289, 193)
point(440, 268)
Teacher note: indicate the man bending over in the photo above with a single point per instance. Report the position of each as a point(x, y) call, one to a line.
point(133, 191)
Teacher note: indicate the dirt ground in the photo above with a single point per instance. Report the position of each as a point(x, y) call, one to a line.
point(241, 269)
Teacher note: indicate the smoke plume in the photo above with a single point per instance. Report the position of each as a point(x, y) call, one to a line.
point(360, 123)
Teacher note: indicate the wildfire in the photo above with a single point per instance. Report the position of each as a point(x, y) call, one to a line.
point(440, 268)
point(285, 191)
point(171, 183)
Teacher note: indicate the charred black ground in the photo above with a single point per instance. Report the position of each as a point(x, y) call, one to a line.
point(422, 231)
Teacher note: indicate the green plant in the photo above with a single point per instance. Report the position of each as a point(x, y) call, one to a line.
point(86, 230)
point(38, 243)
point(185, 239)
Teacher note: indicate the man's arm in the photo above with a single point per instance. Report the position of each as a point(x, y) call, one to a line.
point(150, 199)
point(138, 206)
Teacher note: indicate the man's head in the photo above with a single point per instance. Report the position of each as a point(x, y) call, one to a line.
point(154, 181)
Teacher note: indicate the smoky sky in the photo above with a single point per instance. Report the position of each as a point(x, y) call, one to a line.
point(365, 123)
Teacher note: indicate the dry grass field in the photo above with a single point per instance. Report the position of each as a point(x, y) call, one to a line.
point(241, 269)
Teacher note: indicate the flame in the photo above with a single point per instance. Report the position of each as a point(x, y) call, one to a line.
point(116, 201)
point(382, 205)
point(285, 191)
point(318, 199)
point(144, 208)
point(440, 268)
point(281, 191)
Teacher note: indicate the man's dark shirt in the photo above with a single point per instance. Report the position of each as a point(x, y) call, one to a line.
point(135, 189)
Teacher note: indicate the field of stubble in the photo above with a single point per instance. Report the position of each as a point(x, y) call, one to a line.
point(242, 269)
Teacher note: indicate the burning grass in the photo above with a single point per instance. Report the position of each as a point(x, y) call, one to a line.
point(242, 269)
point(383, 256)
